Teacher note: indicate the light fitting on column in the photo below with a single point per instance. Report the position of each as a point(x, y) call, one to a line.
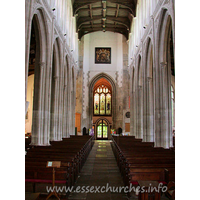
point(145, 26)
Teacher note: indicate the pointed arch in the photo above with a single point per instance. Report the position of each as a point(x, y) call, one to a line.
point(91, 86)
point(55, 91)
point(40, 131)
point(165, 31)
point(149, 94)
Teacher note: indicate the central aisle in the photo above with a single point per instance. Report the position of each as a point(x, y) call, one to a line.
point(100, 169)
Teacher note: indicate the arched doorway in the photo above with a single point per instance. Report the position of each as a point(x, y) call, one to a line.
point(102, 129)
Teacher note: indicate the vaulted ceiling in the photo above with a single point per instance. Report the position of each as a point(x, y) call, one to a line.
point(104, 15)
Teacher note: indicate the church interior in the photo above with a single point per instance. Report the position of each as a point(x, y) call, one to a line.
point(99, 98)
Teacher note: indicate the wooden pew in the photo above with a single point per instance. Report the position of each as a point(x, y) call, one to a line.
point(171, 190)
point(72, 152)
point(139, 160)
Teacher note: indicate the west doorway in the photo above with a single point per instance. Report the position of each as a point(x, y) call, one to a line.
point(102, 130)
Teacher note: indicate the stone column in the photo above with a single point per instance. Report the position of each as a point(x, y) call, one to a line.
point(37, 124)
point(145, 107)
point(164, 106)
point(61, 93)
point(150, 108)
point(134, 108)
point(70, 103)
point(140, 113)
point(131, 112)
point(64, 132)
point(28, 22)
point(74, 103)
point(156, 85)
point(54, 111)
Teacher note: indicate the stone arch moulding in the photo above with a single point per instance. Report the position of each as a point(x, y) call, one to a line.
point(41, 128)
point(57, 95)
point(149, 58)
point(139, 68)
point(42, 21)
point(149, 95)
point(164, 64)
point(97, 121)
point(165, 20)
point(91, 86)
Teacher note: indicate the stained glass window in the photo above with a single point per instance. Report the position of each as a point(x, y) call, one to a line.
point(102, 104)
point(96, 104)
point(102, 101)
point(108, 104)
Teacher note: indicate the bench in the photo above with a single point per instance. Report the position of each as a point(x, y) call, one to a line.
point(139, 160)
point(72, 152)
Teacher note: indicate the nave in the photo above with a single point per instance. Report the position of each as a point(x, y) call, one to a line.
point(100, 170)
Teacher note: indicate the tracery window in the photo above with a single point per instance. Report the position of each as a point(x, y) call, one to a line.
point(102, 101)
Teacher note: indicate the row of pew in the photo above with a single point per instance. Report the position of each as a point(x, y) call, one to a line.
point(141, 161)
point(27, 143)
point(71, 152)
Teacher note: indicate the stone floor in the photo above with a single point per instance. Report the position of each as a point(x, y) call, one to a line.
point(100, 171)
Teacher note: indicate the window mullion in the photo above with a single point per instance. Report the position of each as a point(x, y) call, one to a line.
point(99, 104)
point(105, 103)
